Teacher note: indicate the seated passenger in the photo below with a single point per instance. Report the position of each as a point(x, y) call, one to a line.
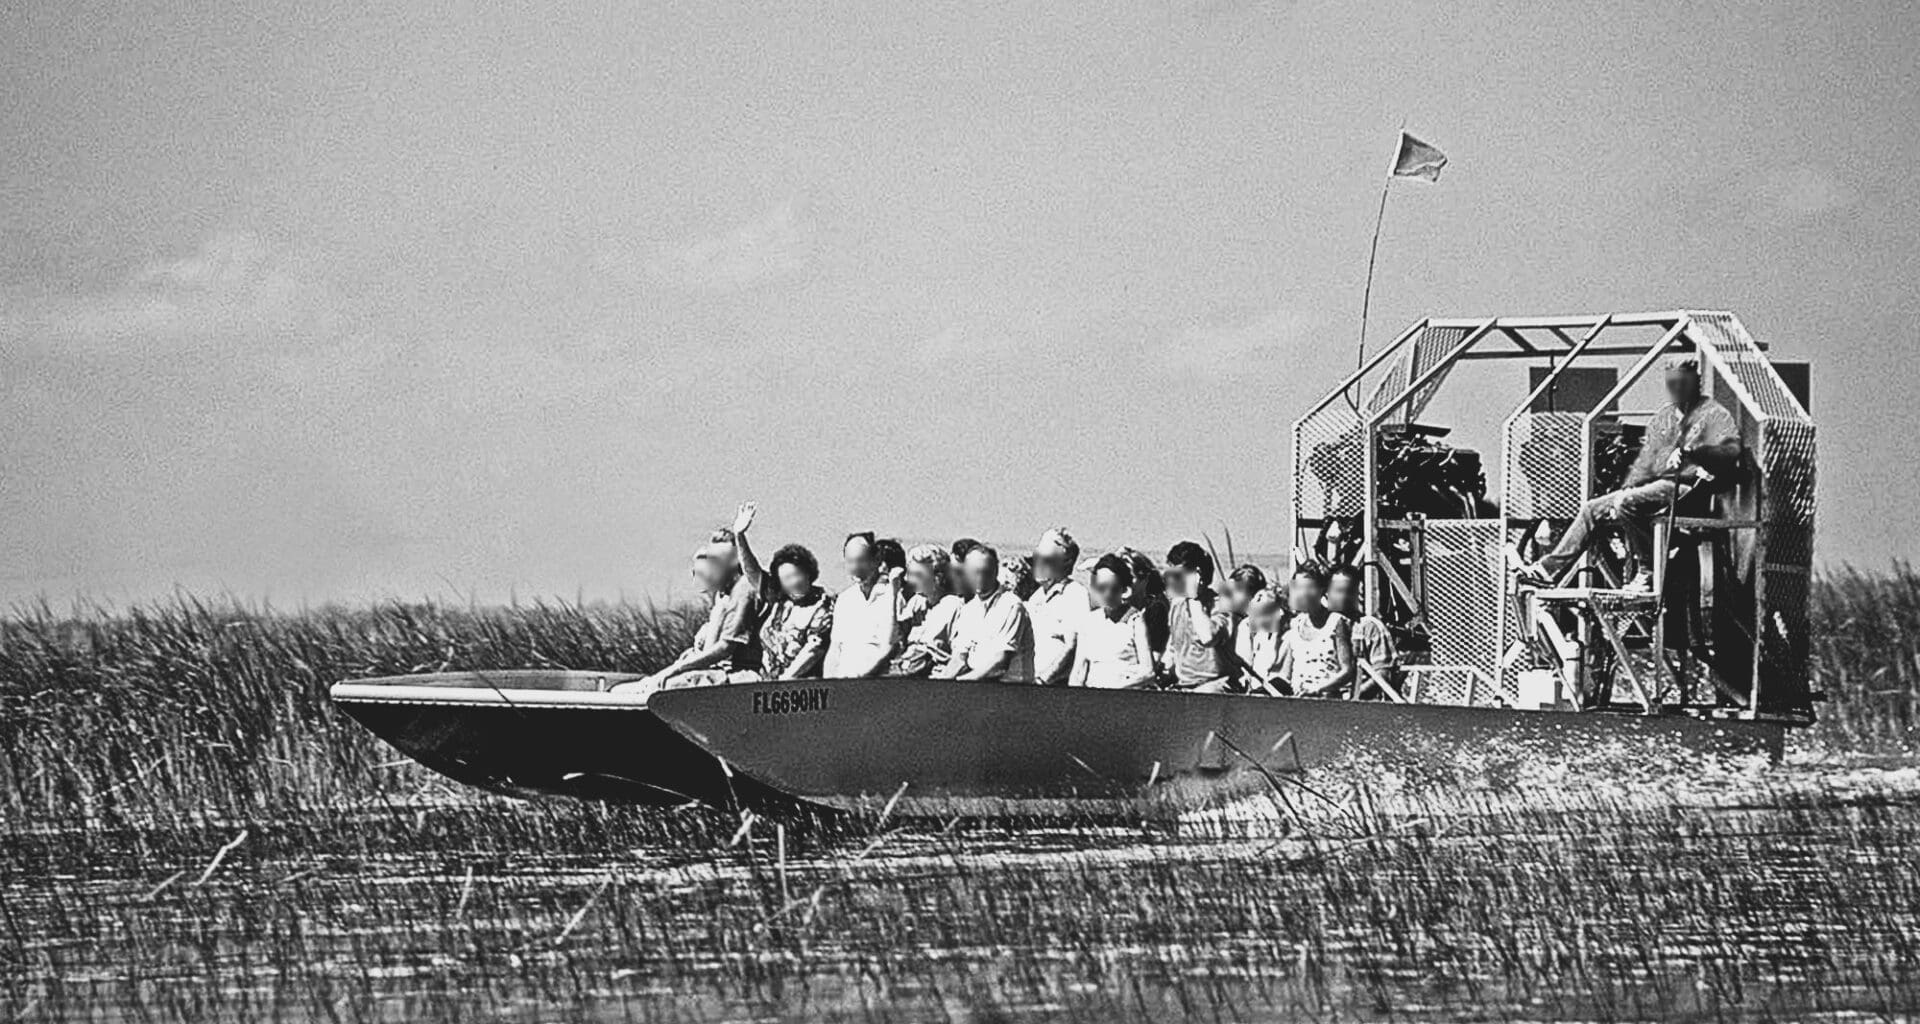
point(929, 623)
point(1150, 597)
point(1375, 658)
point(993, 636)
point(1016, 574)
point(1113, 652)
point(865, 615)
point(729, 641)
point(1690, 442)
point(893, 558)
point(1242, 584)
point(1199, 624)
point(1317, 658)
point(1256, 643)
point(1058, 606)
point(957, 568)
point(799, 613)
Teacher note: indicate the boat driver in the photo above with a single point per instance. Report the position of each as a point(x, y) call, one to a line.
point(1692, 441)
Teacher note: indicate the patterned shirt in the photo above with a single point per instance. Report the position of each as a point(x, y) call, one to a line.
point(795, 636)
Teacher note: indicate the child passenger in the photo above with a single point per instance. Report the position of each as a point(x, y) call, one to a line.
point(1242, 585)
point(1319, 643)
point(1257, 643)
point(1374, 655)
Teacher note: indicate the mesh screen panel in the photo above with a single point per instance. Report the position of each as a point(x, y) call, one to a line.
point(1463, 590)
point(1541, 476)
point(1329, 464)
point(1743, 358)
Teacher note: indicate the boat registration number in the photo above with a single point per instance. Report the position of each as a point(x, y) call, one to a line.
point(790, 702)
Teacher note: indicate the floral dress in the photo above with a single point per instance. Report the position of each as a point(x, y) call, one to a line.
point(797, 632)
point(1316, 652)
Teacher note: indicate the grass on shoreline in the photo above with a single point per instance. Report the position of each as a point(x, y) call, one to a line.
point(191, 710)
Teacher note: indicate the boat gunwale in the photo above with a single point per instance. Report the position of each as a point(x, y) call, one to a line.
point(368, 692)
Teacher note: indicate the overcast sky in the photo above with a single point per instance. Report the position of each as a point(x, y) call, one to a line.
point(312, 301)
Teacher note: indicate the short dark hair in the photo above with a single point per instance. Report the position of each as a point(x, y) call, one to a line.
point(890, 553)
point(797, 556)
point(1250, 577)
point(1352, 573)
point(863, 535)
point(962, 546)
point(1312, 571)
point(1145, 573)
point(1116, 564)
point(1193, 558)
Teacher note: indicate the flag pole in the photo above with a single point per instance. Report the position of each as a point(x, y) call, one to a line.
point(1373, 255)
point(1373, 251)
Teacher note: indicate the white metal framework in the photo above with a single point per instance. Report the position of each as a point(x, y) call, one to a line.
point(1447, 578)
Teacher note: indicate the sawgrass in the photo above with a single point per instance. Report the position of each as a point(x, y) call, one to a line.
point(198, 709)
point(189, 832)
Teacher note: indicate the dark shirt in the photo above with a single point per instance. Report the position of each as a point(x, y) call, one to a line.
point(1194, 663)
point(735, 618)
point(1707, 431)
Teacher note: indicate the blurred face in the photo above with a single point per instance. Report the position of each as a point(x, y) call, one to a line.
point(1683, 386)
point(925, 580)
point(710, 573)
point(1265, 615)
point(957, 579)
point(982, 573)
point(862, 564)
point(1305, 596)
point(1343, 594)
point(1109, 590)
point(1239, 597)
point(795, 581)
point(1051, 564)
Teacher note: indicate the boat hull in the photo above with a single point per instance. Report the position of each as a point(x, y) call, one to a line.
point(940, 747)
point(530, 732)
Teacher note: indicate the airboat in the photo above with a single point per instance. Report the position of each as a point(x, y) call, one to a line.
point(1387, 473)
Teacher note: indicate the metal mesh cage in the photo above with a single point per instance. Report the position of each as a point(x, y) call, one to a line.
point(1540, 478)
point(1740, 354)
point(1463, 590)
point(1426, 352)
point(1329, 464)
point(1787, 645)
point(1786, 464)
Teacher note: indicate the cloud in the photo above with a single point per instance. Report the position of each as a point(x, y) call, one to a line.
point(234, 286)
point(1801, 192)
point(1216, 348)
point(776, 245)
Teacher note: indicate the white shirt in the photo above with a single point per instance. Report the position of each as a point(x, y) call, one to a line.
point(986, 630)
point(1259, 648)
point(863, 630)
point(1112, 649)
point(1058, 610)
